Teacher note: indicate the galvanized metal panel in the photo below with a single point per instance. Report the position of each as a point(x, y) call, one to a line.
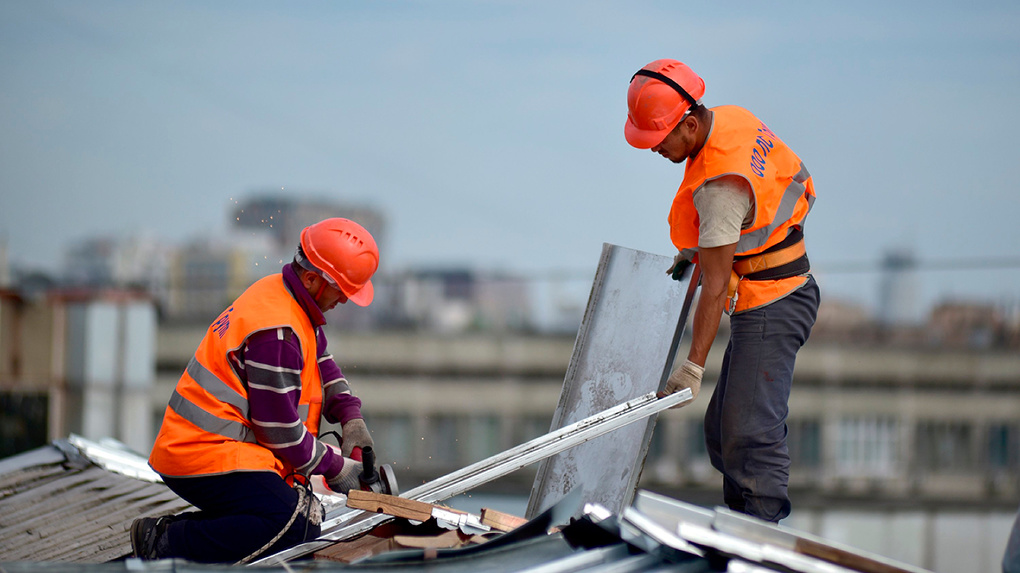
point(623, 350)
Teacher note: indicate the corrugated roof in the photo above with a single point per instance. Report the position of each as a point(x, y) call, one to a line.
point(67, 507)
point(58, 505)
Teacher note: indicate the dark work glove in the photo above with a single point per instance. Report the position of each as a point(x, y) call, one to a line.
point(355, 435)
point(680, 266)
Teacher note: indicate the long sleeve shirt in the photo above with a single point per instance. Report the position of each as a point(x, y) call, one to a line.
point(270, 364)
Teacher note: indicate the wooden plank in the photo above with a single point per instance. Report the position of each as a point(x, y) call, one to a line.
point(843, 558)
point(445, 540)
point(389, 504)
point(501, 521)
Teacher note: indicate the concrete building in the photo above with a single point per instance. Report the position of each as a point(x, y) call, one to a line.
point(206, 275)
point(77, 362)
point(898, 289)
point(458, 300)
point(139, 261)
point(867, 423)
point(284, 215)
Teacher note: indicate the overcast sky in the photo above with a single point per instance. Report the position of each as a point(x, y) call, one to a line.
point(491, 133)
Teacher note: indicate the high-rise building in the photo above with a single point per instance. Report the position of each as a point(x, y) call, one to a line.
point(898, 289)
point(283, 216)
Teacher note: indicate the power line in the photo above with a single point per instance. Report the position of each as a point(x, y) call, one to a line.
point(955, 264)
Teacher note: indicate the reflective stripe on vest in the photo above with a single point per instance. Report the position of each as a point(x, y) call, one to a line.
point(207, 427)
point(219, 390)
point(227, 428)
point(791, 196)
point(213, 385)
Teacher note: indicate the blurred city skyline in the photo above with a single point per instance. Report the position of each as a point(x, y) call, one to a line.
point(193, 279)
point(490, 134)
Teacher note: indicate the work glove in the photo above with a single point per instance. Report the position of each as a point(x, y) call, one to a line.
point(355, 435)
point(680, 266)
point(687, 376)
point(347, 479)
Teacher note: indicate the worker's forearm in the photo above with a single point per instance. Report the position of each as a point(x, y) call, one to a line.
point(706, 323)
point(716, 267)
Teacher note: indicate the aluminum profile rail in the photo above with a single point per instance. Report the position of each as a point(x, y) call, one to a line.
point(460, 481)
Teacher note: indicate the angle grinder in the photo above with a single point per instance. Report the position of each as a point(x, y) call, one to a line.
point(381, 480)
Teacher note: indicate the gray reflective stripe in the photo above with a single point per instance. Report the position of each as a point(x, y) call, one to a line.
point(281, 438)
point(213, 385)
point(793, 193)
point(802, 175)
point(227, 428)
point(302, 411)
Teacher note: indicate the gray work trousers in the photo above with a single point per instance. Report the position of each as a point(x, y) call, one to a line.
point(745, 425)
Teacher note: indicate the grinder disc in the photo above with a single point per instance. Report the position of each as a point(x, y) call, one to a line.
point(388, 479)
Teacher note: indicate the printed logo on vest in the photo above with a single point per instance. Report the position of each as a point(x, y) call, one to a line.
point(223, 322)
point(763, 145)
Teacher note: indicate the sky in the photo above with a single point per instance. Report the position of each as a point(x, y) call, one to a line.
point(490, 134)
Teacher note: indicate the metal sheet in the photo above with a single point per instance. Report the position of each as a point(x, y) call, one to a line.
point(343, 525)
point(623, 350)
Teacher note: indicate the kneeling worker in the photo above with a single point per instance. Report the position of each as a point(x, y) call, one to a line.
point(244, 418)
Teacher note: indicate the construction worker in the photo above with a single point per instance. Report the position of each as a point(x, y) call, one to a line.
point(739, 214)
point(242, 424)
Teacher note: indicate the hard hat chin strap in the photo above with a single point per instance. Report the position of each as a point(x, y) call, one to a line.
point(303, 262)
point(669, 82)
point(322, 287)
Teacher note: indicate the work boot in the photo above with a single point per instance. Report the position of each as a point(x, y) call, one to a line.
point(145, 535)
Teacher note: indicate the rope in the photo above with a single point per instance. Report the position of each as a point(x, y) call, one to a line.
point(304, 504)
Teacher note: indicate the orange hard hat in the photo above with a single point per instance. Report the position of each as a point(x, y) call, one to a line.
point(345, 254)
point(659, 96)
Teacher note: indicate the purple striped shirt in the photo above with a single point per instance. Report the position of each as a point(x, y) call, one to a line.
point(270, 364)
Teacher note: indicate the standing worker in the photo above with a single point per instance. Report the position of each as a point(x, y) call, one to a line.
point(244, 418)
point(739, 214)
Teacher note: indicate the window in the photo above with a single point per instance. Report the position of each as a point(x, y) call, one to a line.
point(867, 446)
point(392, 437)
point(1003, 446)
point(442, 441)
point(804, 441)
point(530, 427)
point(483, 438)
point(944, 446)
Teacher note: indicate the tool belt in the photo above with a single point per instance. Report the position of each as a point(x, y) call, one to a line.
point(785, 259)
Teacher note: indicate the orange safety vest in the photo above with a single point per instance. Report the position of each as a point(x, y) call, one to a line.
point(206, 429)
point(740, 144)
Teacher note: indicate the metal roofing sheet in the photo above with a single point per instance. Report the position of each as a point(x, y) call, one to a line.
point(54, 507)
point(622, 351)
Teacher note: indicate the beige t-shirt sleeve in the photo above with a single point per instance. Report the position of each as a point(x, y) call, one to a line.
point(725, 206)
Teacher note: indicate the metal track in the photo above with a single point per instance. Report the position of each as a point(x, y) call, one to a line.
point(334, 529)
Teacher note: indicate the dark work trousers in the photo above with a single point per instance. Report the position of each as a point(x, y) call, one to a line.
point(745, 425)
point(239, 513)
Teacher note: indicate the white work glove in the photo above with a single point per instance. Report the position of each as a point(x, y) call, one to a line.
point(687, 376)
point(347, 479)
point(355, 435)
